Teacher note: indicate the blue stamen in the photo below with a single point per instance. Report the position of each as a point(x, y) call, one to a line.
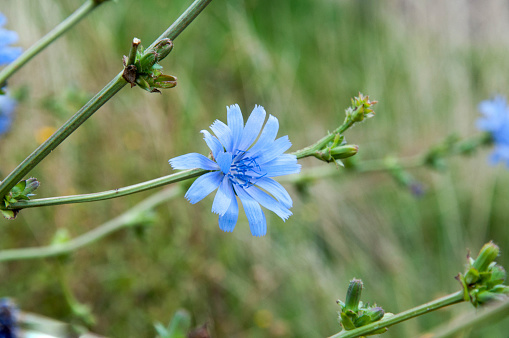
point(240, 168)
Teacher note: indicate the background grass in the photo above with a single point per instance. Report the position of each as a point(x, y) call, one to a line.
point(428, 63)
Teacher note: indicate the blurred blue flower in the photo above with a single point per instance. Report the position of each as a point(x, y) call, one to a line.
point(496, 122)
point(8, 318)
point(7, 106)
point(7, 37)
point(240, 168)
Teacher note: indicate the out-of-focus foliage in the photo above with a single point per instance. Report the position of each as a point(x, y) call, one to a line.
point(428, 64)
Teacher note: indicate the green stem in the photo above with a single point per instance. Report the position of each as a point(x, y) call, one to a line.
point(62, 133)
point(109, 194)
point(182, 22)
point(451, 299)
point(320, 144)
point(94, 235)
point(475, 319)
point(63, 27)
point(92, 106)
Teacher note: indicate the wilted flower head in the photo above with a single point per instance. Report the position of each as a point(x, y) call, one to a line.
point(240, 168)
point(7, 106)
point(7, 37)
point(496, 122)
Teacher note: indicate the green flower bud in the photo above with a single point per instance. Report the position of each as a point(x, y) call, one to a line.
point(375, 313)
point(488, 254)
point(165, 81)
point(362, 320)
point(31, 185)
point(146, 61)
point(361, 108)
point(498, 275)
point(163, 48)
point(503, 289)
point(353, 295)
point(60, 237)
point(344, 151)
point(483, 297)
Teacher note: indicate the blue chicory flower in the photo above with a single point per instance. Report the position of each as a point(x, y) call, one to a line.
point(7, 106)
point(7, 37)
point(496, 122)
point(240, 168)
point(8, 318)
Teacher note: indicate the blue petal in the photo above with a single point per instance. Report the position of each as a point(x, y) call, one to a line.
point(252, 129)
point(285, 164)
point(224, 160)
point(212, 142)
point(224, 197)
point(193, 160)
point(9, 54)
point(236, 123)
point(7, 37)
point(254, 213)
point(267, 136)
point(277, 148)
point(268, 202)
point(276, 190)
point(229, 219)
point(223, 133)
point(203, 186)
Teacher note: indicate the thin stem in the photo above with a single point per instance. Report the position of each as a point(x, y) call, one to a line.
point(182, 22)
point(321, 143)
point(92, 106)
point(46, 40)
point(109, 194)
point(473, 319)
point(94, 235)
point(451, 299)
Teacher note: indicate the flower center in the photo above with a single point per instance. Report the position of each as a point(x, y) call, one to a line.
point(245, 171)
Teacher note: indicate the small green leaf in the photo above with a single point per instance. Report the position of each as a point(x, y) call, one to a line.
point(9, 214)
point(346, 321)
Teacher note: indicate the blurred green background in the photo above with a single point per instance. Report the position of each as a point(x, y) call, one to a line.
point(428, 64)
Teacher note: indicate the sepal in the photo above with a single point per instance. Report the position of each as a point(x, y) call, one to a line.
point(20, 192)
point(142, 68)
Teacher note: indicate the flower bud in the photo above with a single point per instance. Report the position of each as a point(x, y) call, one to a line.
point(375, 313)
point(488, 254)
point(31, 185)
point(353, 295)
point(165, 81)
point(163, 48)
point(344, 151)
point(498, 275)
point(484, 296)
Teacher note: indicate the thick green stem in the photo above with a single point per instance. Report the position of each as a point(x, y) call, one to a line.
point(401, 317)
point(105, 195)
point(61, 134)
point(94, 235)
point(93, 105)
point(63, 27)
